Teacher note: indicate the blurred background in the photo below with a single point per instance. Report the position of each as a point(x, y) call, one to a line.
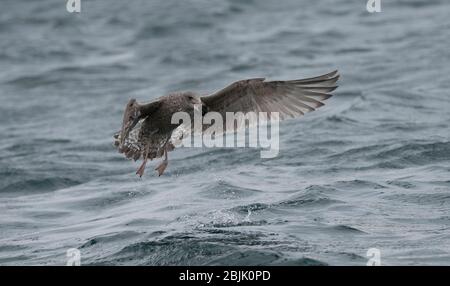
point(369, 170)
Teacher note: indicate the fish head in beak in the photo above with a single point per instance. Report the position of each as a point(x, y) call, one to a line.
point(131, 117)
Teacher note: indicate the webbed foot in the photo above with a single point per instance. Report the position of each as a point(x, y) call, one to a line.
point(161, 167)
point(141, 169)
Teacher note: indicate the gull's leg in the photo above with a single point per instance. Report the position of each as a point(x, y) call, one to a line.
point(141, 169)
point(163, 165)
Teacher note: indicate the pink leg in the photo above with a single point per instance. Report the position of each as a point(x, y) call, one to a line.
point(141, 169)
point(163, 165)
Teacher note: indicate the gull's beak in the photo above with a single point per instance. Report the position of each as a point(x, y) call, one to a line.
point(201, 108)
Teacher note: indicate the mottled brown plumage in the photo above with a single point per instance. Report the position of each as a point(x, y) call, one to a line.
point(147, 130)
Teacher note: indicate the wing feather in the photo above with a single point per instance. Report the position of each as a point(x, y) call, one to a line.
point(292, 98)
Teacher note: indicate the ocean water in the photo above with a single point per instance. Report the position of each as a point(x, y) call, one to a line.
point(371, 169)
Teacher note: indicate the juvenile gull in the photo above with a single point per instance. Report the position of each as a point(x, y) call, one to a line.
point(147, 131)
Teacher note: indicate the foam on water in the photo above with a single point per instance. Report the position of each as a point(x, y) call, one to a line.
point(370, 169)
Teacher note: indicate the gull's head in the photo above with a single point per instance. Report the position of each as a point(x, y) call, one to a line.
point(131, 117)
point(195, 102)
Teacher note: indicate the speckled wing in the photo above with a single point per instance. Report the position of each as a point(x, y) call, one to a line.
point(138, 142)
point(132, 147)
point(291, 98)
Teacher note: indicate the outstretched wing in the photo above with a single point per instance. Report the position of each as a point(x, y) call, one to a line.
point(291, 98)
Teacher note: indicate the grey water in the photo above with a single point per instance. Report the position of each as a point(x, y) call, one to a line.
point(371, 169)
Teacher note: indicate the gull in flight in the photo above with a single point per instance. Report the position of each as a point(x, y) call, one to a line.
point(147, 131)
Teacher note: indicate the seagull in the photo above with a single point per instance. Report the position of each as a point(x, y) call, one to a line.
point(147, 131)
